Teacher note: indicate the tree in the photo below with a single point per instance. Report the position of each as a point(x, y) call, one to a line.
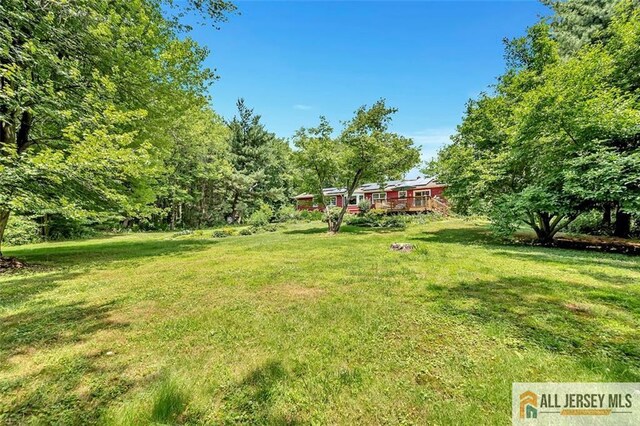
point(365, 150)
point(80, 82)
point(197, 168)
point(260, 164)
point(558, 138)
point(578, 23)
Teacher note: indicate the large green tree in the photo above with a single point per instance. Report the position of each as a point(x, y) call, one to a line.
point(261, 165)
point(195, 171)
point(83, 86)
point(365, 151)
point(557, 138)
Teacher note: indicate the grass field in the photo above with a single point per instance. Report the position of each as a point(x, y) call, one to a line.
point(301, 327)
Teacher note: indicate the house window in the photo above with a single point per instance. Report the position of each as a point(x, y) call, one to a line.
point(355, 199)
point(378, 196)
point(333, 201)
point(402, 194)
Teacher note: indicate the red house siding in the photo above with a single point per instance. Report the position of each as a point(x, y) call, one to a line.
point(391, 195)
point(437, 192)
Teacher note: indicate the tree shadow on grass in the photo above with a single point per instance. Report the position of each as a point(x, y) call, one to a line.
point(76, 390)
point(22, 288)
point(110, 251)
point(308, 231)
point(564, 257)
point(464, 236)
point(43, 326)
point(73, 389)
point(345, 229)
point(251, 401)
point(558, 256)
point(599, 327)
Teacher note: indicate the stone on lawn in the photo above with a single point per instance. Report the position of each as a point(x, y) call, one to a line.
point(402, 247)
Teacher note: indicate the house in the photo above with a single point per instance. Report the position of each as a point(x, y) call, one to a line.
point(410, 195)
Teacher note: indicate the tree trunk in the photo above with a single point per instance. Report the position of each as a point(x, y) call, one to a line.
point(4, 219)
point(172, 223)
point(547, 225)
point(545, 237)
point(233, 218)
point(334, 226)
point(623, 224)
point(606, 216)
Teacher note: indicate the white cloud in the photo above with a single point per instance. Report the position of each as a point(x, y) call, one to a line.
point(302, 107)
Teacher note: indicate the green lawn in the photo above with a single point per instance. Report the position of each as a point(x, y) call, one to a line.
point(301, 327)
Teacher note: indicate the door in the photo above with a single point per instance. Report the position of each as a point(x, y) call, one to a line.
point(420, 198)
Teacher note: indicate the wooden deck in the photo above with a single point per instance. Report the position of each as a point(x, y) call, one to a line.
point(412, 204)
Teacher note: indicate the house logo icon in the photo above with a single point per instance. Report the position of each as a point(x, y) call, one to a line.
point(528, 405)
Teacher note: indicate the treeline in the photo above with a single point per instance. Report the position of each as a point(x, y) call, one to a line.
point(105, 121)
point(556, 144)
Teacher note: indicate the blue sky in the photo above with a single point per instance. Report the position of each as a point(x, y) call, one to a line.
point(293, 61)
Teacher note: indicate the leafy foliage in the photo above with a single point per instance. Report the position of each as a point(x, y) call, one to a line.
point(88, 92)
point(560, 136)
point(365, 150)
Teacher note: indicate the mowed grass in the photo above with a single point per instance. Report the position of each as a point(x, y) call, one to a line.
point(298, 327)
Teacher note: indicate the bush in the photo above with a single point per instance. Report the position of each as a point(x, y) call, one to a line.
point(311, 215)
point(331, 213)
point(247, 231)
point(262, 216)
point(218, 233)
point(287, 214)
point(224, 232)
point(364, 206)
point(61, 228)
point(589, 223)
point(270, 228)
point(424, 218)
point(21, 230)
point(377, 219)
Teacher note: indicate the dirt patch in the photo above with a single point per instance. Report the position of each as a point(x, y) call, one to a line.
point(293, 291)
point(578, 309)
point(10, 264)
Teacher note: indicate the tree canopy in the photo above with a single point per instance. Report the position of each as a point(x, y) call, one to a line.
point(365, 150)
point(559, 136)
point(89, 93)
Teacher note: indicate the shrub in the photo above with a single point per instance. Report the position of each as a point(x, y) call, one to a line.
point(262, 216)
point(218, 233)
point(287, 214)
point(62, 228)
point(589, 223)
point(377, 219)
point(311, 215)
point(230, 231)
point(331, 213)
point(424, 218)
point(224, 232)
point(364, 206)
point(21, 230)
point(247, 231)
point(272, 227)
